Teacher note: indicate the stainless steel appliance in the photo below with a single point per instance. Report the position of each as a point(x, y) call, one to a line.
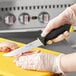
point(29, 15)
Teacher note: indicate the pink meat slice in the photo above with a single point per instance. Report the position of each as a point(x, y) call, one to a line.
point(25, 54)
point(8, 46)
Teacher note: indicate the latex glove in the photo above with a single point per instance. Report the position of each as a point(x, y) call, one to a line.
point(68, 16)
point(40, 62)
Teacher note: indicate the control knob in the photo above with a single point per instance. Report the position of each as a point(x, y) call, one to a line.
point(10, 19)
point(44, 17)
point(24, 18)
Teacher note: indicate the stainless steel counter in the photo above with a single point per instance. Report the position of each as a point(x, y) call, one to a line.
point(63, 46)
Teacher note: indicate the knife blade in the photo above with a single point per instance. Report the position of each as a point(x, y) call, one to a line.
point(25, 48)
point(41, 41)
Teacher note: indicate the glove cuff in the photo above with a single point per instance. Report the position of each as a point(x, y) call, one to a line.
point(57, 65)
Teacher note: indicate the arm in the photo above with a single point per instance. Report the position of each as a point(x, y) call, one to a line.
point(68, 63)
point(48, 62)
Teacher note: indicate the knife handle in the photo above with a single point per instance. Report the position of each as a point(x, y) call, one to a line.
point(54, 33)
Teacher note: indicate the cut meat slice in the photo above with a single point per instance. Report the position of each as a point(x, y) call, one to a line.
point(8, 46)
point(25, 54)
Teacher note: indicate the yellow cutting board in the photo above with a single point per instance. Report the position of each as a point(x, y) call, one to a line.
point(9, 68)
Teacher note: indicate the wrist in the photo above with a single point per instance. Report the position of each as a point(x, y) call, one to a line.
point(62, 64)
point(58, 67)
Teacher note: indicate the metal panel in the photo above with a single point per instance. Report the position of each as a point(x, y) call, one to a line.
point(33, 8)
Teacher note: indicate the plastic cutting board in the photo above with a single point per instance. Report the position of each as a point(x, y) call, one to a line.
point(9, 68)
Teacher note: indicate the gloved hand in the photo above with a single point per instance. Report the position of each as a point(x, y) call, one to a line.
point(68, 16)
point(40, 62)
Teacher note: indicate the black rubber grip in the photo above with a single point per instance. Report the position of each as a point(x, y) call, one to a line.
point(54, 33)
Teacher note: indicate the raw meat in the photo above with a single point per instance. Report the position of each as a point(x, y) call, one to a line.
point(25, 54)
point(8, 46)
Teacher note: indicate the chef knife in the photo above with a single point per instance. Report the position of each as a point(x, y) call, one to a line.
point(41, 41)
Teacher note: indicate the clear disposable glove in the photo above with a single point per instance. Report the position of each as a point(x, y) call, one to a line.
point(40, 62)
point(68, 16)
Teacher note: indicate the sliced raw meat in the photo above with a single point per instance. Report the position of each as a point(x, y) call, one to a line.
point(25, 54)
point(8, 46)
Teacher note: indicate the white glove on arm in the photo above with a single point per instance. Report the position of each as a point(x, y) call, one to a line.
point(40, 62)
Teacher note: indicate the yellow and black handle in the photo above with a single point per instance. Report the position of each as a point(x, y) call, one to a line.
point(54, 33)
